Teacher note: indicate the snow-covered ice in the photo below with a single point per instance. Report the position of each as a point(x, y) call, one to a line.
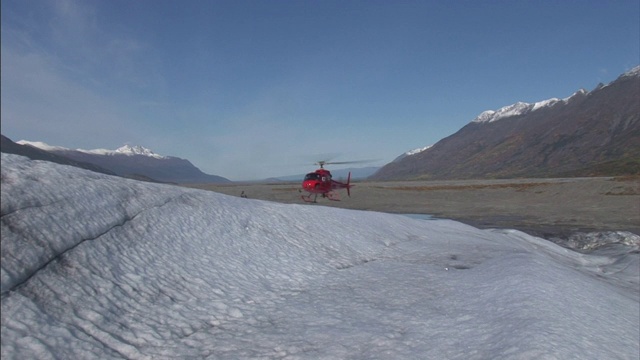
point(95, 266)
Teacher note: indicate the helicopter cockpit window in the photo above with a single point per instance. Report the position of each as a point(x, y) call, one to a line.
point(312, 176)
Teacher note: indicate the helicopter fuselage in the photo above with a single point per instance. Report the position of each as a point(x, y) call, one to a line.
point(321, 182)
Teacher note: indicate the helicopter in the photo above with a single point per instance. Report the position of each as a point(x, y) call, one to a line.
point(320, 182)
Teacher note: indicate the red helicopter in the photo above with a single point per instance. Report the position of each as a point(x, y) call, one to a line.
point(320, 182)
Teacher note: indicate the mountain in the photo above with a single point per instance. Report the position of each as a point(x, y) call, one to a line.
point(411, 152)
point(34, 153)
point(586, 134)
point(134, 162)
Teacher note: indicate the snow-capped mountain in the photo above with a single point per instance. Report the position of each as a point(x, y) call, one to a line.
point(522, 108)
point(412, 152)
point(417, 151)
point(133, 161)
point(635, 72)
point(37, 153)
point(137, 150)
point(42, 146)
point(587, 133)
point(128, 150)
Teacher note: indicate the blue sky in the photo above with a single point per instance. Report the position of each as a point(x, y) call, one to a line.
point(254, 89)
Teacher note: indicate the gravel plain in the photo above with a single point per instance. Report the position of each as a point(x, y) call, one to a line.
point(542, 207)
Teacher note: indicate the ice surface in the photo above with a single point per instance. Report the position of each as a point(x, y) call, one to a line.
point(95, 266)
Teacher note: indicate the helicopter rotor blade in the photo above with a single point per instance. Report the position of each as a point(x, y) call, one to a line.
point(323, 162)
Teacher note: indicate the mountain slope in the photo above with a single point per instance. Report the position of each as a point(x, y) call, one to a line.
point(34, 153)
point(586, 134)
point(136, 162)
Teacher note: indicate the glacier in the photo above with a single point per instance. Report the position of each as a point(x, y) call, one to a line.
point(96, 266)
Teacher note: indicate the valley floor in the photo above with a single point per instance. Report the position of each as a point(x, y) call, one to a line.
point(542, 207)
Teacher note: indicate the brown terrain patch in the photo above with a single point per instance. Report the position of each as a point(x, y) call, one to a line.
point(544, 207)
point(518, 187)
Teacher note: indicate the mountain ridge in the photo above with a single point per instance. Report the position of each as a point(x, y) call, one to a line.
point(576, 136)
point(134, 162)
point(10, 147)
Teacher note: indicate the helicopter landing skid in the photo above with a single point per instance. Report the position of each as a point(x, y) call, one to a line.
point(307, 198)
point(331, 196)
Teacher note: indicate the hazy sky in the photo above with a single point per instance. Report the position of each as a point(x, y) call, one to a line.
point(253, 89)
